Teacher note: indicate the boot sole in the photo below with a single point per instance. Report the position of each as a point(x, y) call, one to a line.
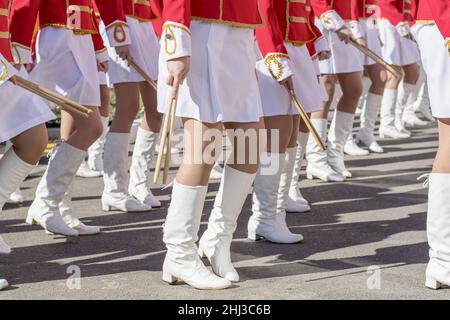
point(171, 280)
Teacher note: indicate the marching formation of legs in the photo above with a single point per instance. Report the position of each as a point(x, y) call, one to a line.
point(264, 75)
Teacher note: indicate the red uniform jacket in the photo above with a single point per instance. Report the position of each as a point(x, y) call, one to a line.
point(117, 10)
point(397, 11)
point(296, 21)
point(436, 11)
point(367, 8)
point(76, 15)
point(114, 13)
point(286, 21)
point(177, 15)
point(5, 41)
point(100, 49)
point(241, 13)
point(346, 9)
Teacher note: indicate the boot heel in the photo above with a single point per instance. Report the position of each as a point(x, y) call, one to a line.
point(106, 207)
point(432, 283)
point(254, 237)
point(30, 220)
point(201, 253)
point(168, 278)
point(309, 176)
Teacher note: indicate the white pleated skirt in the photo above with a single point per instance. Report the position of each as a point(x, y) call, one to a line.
point(67, 65)
point(275, 100)
point(20, 110)
point(344, 57)
point(222, 84)
point(144, 49)
point(436, 63)
point(397, 50)
point(372, 35)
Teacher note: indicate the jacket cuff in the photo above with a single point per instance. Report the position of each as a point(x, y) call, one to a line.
point(403, 28)
point(332, 20)
point(278, 66)
point(102, 55)
point(175, 41)
point(321, 45)
point(6, 70)
point(356, 29)
point(21, 54)
point(118, 34)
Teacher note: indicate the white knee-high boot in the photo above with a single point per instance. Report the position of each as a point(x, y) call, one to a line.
point(56, 180)
point(265, 222)
point(144, 149)
point(438, 230)
point(115, 176)
point(95, 152)
point(283, 191)
point(369, 117)
point(318, 166)
point(13, 172)
point(180, 235)
point(216, 240)
point(409, 117)
point(387, 116)
point(404, 92)
point(340, 128)
point(423, 103)
point(16, 196)
point(74, 223)
point(93, 167)
point(295, 201)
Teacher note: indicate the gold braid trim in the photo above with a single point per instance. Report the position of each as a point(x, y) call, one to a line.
point(230, 23)
point(272, 62)
point(169, 35)
point(426, 22)
point(63, 26)
point(5, 74)
point(141, 19)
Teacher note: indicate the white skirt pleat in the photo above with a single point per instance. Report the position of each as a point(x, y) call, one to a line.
point(144, 50)
point(436, 63)
point(20, 110)
point(67, 65)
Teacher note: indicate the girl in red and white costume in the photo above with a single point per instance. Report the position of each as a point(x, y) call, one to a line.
point(66, 63)
point(368, 11)
point(398, 49)
point(289, 27)
point(211, 63)
point(136, 40)
point(335, 18)
point(433, 38)
point(22, 120)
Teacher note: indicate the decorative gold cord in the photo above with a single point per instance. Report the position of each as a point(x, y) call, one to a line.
point(169, 35)
point(272, 62)
point(5, 73)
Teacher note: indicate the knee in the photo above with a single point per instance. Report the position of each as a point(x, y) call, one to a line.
point(94, 131)
point(379, 83)
point(33, 146)
point(353, 93)
point(412, 75)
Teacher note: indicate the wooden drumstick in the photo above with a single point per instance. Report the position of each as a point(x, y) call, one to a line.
point(305, 118)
